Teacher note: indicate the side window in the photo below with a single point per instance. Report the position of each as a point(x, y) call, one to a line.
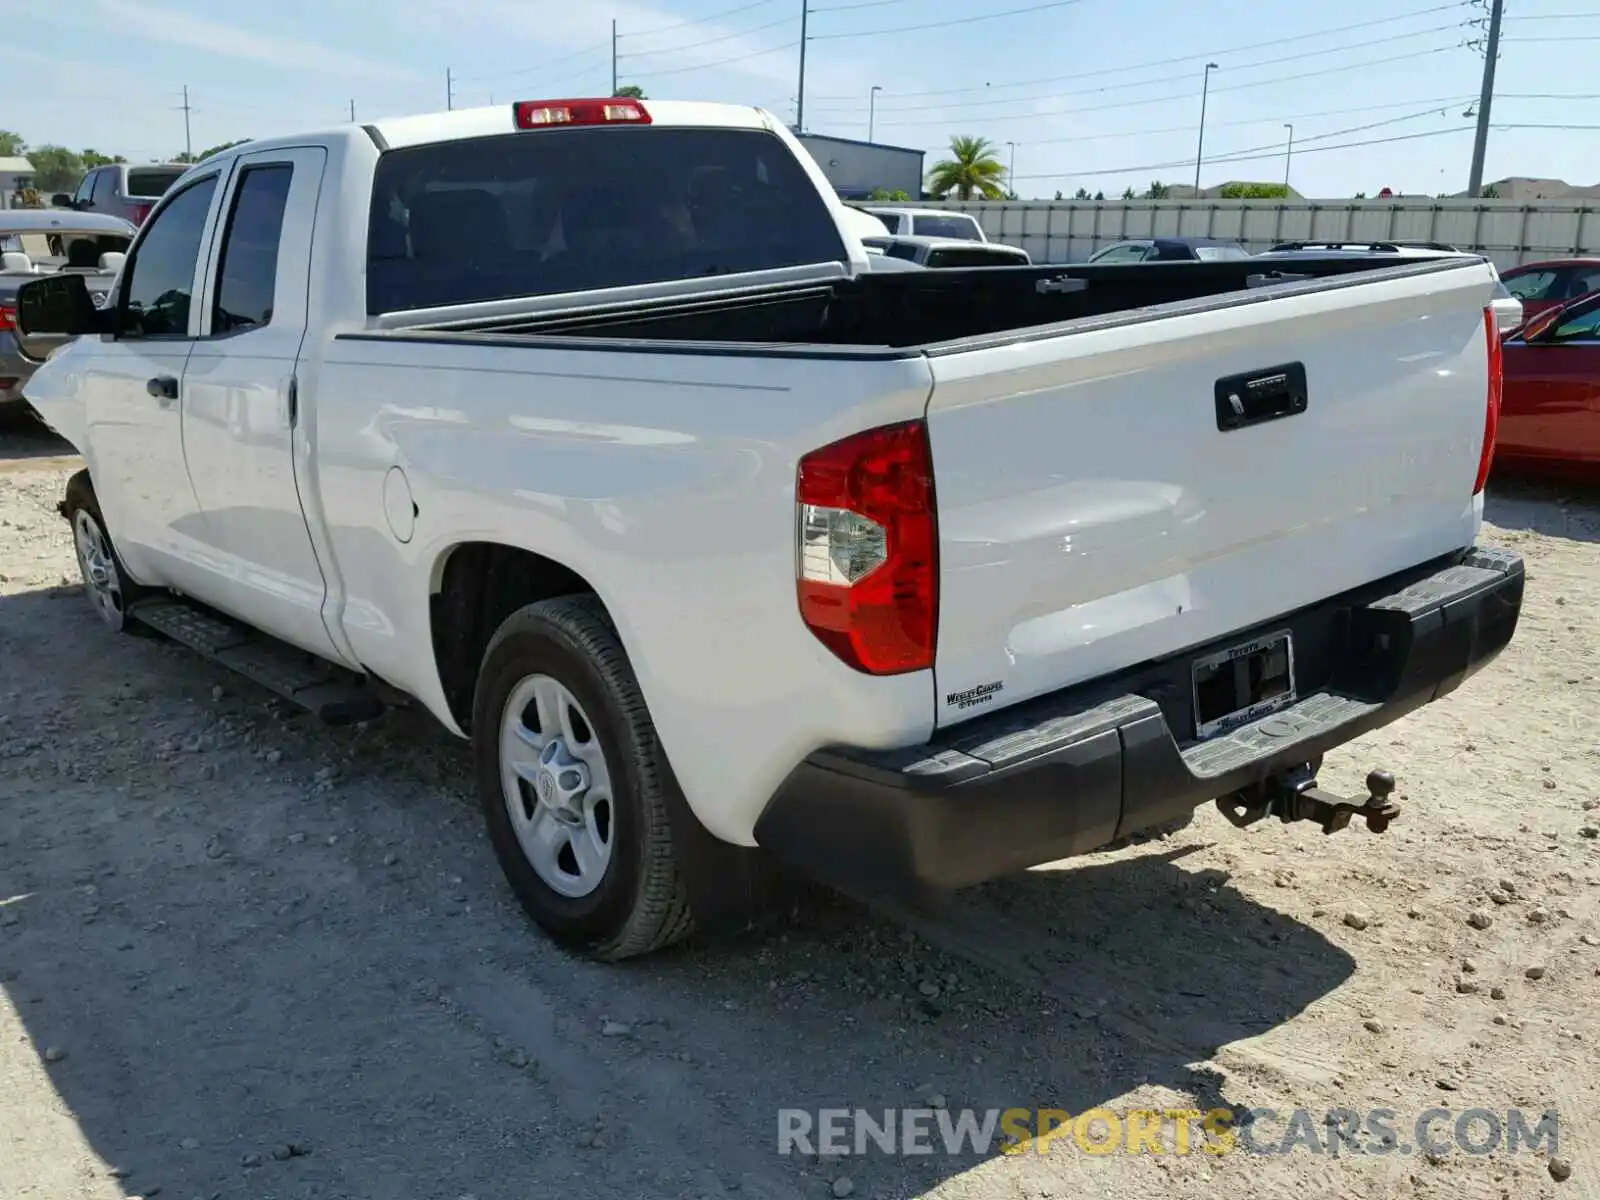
point(1126, 252)
point(1582, 282)
point(105, 183)
point(160, 278)
point(248, 273)
point(1582, 327)
point(85, 188)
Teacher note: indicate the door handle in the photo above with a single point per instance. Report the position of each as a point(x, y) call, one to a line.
point(164, 388)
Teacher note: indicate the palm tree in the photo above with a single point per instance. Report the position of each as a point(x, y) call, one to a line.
point(971, 168)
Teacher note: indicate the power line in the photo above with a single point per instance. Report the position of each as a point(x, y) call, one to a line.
point(1273, 153)
point(720, 62)
point(1454, 5)
point(852, 7)
point(728, 12)
point(1112, 87)
point(727, 37)
point(1010, 12)
point(1189, 95)
point(1442, 101)
point(555, 62)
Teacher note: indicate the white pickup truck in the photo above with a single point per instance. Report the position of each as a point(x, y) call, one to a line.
point(585, 425)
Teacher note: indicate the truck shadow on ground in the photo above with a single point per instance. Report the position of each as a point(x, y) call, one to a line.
point(23, 437)
point(1557, 507)
point(250, 934)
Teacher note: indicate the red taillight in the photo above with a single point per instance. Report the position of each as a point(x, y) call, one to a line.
point(545, 114)
point(8, 319)
point(1491, 419)
point(140, 212)
point(868, 556)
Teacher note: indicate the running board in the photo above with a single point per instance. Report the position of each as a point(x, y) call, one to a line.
point(337, 695)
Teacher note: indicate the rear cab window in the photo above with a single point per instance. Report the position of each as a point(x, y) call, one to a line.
point(151, 183)
point(978, 256)
point(547, 212)
point(963, 228)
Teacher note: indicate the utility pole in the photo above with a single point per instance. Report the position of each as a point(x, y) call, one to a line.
point(613, 56)
point(1200, 146)
point(800, 100)
point(1480, 143)
point(1288, 155)
point(1011, 171)
point(449, 90)
point(872, 108)
point(352, 110)
point(188, 142)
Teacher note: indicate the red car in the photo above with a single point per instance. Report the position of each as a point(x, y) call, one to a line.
point(1542, 286)
point(1550, 406)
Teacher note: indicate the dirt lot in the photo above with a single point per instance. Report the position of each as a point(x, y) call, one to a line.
point(244, 955)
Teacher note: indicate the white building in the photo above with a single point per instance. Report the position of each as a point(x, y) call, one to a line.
point(15, 174)
point(856, 169)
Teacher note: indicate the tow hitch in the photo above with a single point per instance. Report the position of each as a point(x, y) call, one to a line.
point(1295, 796)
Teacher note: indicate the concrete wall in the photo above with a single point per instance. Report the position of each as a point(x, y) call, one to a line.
point(1507, 232)
point(862, 166)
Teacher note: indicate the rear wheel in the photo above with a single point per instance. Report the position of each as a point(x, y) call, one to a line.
point(105, 580)
point(572, 780)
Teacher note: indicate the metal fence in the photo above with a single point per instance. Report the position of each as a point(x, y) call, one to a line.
point(1507, 232)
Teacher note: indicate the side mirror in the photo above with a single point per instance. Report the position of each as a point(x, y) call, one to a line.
point(60, 306)
point(1541, 326)
point(61, 200)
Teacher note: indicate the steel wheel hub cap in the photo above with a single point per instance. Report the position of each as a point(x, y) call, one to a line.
point(557, 786)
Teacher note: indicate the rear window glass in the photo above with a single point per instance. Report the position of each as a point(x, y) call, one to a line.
point(568, 210)
point(148, 183)
point(976, 257)
point(964, 228)
point(1220, 253)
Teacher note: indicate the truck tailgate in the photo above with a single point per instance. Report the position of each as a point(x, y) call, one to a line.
point(1095, 514)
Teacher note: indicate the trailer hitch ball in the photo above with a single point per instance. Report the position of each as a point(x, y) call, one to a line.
point(1293, 795)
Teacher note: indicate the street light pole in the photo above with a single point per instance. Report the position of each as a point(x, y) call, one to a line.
point(800, 97)
point(1288, 154)
point(1200, 146)
point(872, 109)
point(1011, 171)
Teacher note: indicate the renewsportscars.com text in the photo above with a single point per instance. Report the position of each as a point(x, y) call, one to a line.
point(1268, 1131)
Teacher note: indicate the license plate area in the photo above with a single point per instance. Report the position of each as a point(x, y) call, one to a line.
point(1235, 686)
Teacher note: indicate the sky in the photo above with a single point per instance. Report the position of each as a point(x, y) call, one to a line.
point(1097, 94)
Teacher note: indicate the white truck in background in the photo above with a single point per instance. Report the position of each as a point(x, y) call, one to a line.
point(585, 425)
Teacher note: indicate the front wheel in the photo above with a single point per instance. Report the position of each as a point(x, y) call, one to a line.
point(572, 780)
point(105, 580)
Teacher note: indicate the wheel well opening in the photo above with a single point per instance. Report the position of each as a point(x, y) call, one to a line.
point(480, 585)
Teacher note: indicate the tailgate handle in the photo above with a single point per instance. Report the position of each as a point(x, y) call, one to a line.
point(1266, 395)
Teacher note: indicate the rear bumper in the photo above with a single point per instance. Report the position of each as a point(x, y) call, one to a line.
point(1076, 770)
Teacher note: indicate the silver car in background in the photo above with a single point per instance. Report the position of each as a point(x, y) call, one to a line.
point(35, 242)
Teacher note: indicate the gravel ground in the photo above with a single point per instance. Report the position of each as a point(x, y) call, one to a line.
point(245, 955)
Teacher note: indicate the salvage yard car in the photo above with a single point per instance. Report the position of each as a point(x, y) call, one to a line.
point(586, 425)
point(34, 243)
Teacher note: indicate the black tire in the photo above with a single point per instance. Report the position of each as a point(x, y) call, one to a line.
point(641, 903)
point(80, 498)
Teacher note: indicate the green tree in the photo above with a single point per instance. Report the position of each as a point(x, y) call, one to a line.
point(972, 168)
point(1158, 191)
point(887, 195)
point(12, 145)
point(1081, 194)
point(1255, 191)
point(93, 158)
point(1127, 193)
point(220, 147)
point(1361, 195)
point(1490, 193)
point(1099, 195)
point(55, 168)
point(633, 91)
